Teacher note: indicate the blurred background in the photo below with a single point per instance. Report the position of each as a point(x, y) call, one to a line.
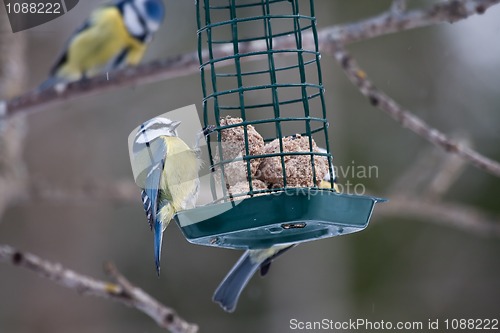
point(401, 268)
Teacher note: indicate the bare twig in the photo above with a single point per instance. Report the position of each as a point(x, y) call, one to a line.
point(416, 177)
point(186, 64)
point(430, 175)
point(449, 172)
point(395, 21)
point(123, 292)
point(155, 71)
point(447, 214)
point(407, 119)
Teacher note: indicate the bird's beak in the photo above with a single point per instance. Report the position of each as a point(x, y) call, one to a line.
point(175, 124)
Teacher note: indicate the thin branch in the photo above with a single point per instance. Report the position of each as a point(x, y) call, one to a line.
point(155, 71)
point(450, 171)
point(431, 174)
point(437, 172)
point(446, 214)
point(123, 291)
point(391, 21)
point(407, 119)
point(418, 174)
point(186, 64)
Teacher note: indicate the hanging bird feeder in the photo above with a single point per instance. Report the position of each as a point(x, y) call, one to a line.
point(271, 184)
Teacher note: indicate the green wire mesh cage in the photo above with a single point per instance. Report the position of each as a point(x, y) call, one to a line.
point(271, 184)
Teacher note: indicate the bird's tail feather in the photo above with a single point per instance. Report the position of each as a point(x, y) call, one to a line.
point(49, 83)
point(229, 290)
point(158, 238)
point(162, 220)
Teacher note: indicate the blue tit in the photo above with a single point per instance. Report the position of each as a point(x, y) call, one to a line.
point(171, 182)
point(326, 181)
point(229, 290)
point(115, 35)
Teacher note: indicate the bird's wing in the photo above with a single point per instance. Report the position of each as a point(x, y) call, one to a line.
point(146, 203)
point(134, 54)
point(150, 194)
point(130, 56)
point(63, 56)
point(103, 23)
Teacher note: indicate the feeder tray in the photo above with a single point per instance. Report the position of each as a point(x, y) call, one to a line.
point(275, 219)
point(281, 97)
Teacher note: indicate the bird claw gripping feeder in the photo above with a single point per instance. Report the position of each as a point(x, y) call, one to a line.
point(268, 189)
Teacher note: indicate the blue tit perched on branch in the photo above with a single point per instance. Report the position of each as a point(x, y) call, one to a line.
point(229, 290)
point(171, 181)
point(116, 34)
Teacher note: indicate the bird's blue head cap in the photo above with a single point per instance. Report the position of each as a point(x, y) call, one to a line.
point(154, 128)
point(155, 10)
point(152, 12)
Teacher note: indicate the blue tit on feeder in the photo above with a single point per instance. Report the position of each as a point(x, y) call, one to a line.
point(230, 289)
point(115, 35)
point(326, 181)
point(327, 184)
point(170, 178)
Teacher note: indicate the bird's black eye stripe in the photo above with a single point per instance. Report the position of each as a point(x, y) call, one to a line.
point(143, 23)
point(143, 132)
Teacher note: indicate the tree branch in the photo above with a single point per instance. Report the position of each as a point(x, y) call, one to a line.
point(446, 214)
point(391, 21)
point(407, 119)
point(431, 175)
point(396, 20)
point(123, 291)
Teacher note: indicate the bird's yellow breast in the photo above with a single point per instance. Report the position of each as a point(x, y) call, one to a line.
point(179, 180)
point(95, 46)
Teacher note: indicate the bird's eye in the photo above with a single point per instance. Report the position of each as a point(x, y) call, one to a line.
point(155, 10)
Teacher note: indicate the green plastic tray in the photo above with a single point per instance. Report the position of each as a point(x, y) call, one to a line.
point(279, 218)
